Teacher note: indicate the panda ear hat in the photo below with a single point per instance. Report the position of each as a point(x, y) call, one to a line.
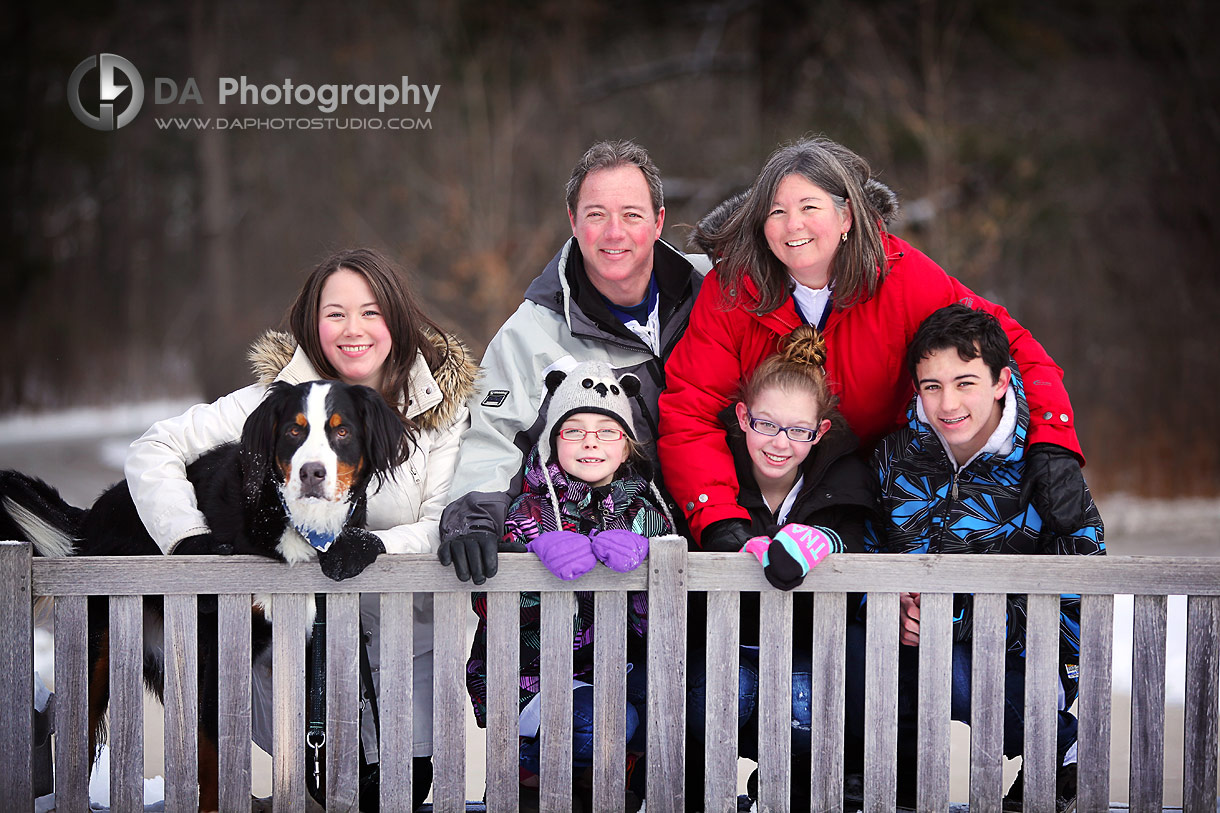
point(590, 386)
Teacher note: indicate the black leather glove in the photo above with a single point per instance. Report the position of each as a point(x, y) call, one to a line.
point(782, 570)
point(202, 545)
point(473, 555)
point(352, 552)
point(1053, 483)
point(726, 535)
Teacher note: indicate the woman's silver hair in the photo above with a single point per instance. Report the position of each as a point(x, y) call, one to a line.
point(858, 265)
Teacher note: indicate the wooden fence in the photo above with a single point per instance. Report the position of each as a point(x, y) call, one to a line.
point(668, 575)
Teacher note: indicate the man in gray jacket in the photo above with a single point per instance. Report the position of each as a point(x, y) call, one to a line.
point(615, 293)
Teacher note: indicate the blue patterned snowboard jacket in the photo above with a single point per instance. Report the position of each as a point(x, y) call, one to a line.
point(928, 508)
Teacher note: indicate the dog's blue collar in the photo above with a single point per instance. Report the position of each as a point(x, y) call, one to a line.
point(318, 540)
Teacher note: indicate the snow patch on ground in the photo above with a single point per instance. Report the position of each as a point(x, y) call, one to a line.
point(87, 422)
point(1129, 515)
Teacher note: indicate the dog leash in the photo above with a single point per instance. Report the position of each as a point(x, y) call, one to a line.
point(315, 730)
point(315, 733)
point(368, 695)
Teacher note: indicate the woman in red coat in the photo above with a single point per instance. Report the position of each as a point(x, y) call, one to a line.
point(807, 243)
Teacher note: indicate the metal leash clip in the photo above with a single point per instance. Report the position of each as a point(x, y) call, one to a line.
point(317, 746)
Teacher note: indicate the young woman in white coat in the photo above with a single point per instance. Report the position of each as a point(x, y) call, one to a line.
point(354, 321)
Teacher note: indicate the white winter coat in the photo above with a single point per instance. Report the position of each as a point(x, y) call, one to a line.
point(404, 513)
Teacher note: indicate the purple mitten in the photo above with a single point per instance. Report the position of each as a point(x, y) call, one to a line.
point(567, 554)
point(619, 549)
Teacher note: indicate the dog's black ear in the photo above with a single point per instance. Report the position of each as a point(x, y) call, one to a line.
point(554, 378)
point(387, 444)
point(630, 384)
point(258, 440)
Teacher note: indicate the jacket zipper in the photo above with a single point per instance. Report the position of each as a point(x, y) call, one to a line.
point(677, 334)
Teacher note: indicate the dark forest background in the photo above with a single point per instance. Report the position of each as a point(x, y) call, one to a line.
point(1057, 157)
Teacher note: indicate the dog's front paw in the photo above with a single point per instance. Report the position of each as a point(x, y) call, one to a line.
point(352, 552)
point(202, 545)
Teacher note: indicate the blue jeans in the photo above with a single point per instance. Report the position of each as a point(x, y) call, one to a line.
point(582, 724)
point(959, 700)
point(747, 701)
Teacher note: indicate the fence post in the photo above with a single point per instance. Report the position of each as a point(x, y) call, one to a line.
point(1202, 690)
point(667, 579)
point(16, 677)
point(1148, 703)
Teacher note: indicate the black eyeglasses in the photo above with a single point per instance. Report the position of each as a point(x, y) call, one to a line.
point(800, 434)
point(578, 435)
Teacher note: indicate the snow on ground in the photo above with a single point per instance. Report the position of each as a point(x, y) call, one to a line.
point(1126, 515)
point(84, 423)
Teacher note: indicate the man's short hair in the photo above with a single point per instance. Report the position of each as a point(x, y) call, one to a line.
point(970, 332)
point(610, 155)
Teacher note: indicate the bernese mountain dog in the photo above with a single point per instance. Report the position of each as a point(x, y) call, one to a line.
point(294, 488)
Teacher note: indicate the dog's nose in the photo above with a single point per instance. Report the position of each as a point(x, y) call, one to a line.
point(313, 477)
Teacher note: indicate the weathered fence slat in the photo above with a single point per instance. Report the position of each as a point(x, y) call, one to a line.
point(1041, 682)
point(826, 752)
point(395, 698)
point(233, 701)
point(342, 701)
point(722, 663)
point(1093, 730)
point(1202, 699)
point(16, 688)
point(449, 701)
point(1148, 704)
point(503, 692)
point(881, 704)
point(126, 704)
point(987, 703)
point(72, 756)
point(774, 699)
point(609, 700)
point(935, 681)
point(667, 586)
point(555, 789)
point(290, 624)
point(182, 752)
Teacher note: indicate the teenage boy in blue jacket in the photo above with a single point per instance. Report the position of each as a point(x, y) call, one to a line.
point(951, 483)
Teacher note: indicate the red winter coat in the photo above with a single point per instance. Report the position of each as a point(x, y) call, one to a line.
point(866, 365)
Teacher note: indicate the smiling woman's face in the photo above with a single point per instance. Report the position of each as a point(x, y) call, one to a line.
point(354, 335)
point(804, 230)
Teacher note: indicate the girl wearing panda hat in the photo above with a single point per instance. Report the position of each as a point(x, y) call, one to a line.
point(587, 497)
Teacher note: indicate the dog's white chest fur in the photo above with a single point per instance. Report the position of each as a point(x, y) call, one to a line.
point(295, 550)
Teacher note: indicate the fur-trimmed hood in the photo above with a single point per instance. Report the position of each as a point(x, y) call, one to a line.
point(456, 374)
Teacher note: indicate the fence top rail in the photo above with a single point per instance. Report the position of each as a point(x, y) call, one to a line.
point(157, 575)
point(992, 573)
